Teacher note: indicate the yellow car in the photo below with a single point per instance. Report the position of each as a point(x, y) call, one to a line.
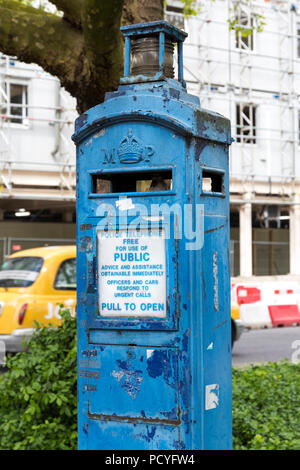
point(33, 286)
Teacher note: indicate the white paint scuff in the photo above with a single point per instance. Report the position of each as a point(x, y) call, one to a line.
point(125, 204)
point(212, 396)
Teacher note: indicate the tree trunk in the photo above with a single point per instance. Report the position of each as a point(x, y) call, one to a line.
point(142, 11)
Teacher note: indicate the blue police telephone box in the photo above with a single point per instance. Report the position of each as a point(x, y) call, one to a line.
point(153, 307)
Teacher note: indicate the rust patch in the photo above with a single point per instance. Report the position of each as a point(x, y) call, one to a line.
point(221, 324)
point(135, 420)
point(214, 229)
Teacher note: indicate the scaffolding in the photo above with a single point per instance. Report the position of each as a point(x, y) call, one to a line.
point(55, 175)
point(254, 80)
point(202, 72)
point(242, 61)
point(286, 91)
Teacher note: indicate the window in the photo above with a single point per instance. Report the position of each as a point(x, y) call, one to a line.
point(16, 101)
point(212, 182)
point(20, 272)
point(66, 275)
point(140, 181)
point(246, 123)
point(270, 240)
point(244, 30)
point(174, 13)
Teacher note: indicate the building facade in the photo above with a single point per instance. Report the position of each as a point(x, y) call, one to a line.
point(37, 158)
point(243, 59)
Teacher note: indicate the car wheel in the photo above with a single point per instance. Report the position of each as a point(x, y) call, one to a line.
point(233, 333)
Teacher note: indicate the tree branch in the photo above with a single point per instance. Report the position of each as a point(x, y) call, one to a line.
point(35, 36)
point(71, 10)
point(86, 56)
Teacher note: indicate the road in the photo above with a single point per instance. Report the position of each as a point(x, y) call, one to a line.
point(274, 344)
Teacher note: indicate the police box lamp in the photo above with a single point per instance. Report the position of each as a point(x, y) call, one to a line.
point(149, 52)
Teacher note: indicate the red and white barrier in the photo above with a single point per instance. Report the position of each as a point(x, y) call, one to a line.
point(268, 304)
point(284, 315)
point(255, 315)
point(245, 294)
point(283, 305)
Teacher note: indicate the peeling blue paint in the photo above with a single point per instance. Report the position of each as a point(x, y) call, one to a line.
point(85, 428)
point(150, 433)
point(81, 121)
point(161, 363)
point(129, 380)
point(156, 364)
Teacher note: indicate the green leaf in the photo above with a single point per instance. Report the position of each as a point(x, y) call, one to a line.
point(38, 403)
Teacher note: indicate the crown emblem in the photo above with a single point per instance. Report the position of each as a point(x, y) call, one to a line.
point(130, 150)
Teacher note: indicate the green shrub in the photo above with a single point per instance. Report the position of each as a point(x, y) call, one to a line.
point(38, 397)
point(266, 407)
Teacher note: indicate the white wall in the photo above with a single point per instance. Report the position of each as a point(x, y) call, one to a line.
point(37, 139)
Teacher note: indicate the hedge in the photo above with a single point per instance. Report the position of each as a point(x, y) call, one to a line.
point(38, 393)
point(38, 398)
point(266, 407)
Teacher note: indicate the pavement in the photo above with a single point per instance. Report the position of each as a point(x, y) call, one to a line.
point(267, 345)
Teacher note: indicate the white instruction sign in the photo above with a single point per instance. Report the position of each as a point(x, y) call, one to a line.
point(132, 273)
